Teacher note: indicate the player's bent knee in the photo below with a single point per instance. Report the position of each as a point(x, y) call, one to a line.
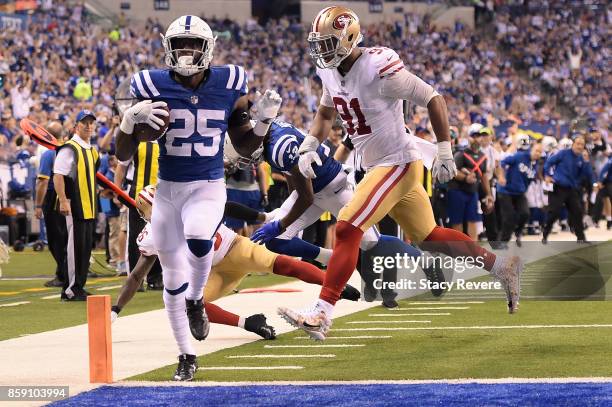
point(199, 247)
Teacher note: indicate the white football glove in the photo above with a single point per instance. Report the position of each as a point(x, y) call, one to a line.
point(264, 110)
point(113, 316)
point(308, 156)
point(146, 112)
point(444, 168)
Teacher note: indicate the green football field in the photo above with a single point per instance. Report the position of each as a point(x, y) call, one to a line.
point(455, 336)
point(27, 307)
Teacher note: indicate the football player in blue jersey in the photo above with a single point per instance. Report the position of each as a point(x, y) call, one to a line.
point(204, 102)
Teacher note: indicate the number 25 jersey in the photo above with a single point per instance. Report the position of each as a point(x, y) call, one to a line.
point(192, 148)
point(375, 123)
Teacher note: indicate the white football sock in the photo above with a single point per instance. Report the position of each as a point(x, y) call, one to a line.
point(200, 269)
point(324, 256)
point(175, 308)
point(326, 307)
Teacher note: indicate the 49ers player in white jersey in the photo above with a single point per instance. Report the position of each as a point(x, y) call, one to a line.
point(366, 87)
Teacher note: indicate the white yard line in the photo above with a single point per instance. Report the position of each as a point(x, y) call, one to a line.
point(443, 303)
point(410, 315)
point(329, 355)
point(110, 287)
point(404, 321)
point(51, 297)
point(251, 368)
point(339, 345)
point(14, 304)
point(461, 328)
point(430, 308)
point(350, 337)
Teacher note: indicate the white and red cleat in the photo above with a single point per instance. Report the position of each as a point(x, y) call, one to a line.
point(313, 321)
point(509, 274)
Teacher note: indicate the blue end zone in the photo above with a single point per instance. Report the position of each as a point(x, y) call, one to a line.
point(474, 394)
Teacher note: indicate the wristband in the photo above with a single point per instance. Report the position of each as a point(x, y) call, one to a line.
point(261, 128)
point(445, 150)
point(127, 125)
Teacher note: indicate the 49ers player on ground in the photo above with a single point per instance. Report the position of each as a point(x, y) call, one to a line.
point(366, 87)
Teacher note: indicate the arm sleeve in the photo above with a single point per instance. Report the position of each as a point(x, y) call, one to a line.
point(407, 86)
point(45, 169)
point(285, 154)
point(239, 211)
point(511, 159)
point(552, 160)
point(137, 89)
point(243, 82)
point(326, 98)
point(64, 161)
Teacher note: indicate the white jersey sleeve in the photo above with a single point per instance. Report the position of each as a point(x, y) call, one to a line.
point(224, 239)
point(326, 99)
point(145, 241)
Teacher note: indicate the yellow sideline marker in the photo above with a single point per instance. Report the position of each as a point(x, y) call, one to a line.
point(100, 341)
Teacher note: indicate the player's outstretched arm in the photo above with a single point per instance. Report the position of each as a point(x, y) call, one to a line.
point(133, 282)
point(246, 138)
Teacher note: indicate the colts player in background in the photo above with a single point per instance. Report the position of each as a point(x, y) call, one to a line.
point(204, 103)
point(366, 87)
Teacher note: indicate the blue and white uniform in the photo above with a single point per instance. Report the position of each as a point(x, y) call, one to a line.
point(191, 194)
point(331, 189)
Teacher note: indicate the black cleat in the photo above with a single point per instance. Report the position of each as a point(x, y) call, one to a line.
point(350, 293)
point(435, 275)
point(198, 320)
point(187, 366)
point(54, 283)
point(389, 303)
point(257, 324)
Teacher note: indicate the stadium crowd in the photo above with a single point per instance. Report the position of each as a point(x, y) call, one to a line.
point(63, 63)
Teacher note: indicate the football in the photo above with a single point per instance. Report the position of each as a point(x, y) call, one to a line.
point(144, 132)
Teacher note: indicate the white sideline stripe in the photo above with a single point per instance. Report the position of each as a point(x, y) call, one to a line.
point(410, 315)
point(430, 308)
point(443, 303)
point(350, 337)
point(343, 345)
point(110, 287)
point(459, 328)
point(13, 304)
point(52, 297)
point(250, 368)
point(390, 322)
point(362, 382)
point(329, 355)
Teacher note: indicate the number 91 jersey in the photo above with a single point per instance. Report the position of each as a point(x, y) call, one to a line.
point(374, 123)
point(192, 148)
